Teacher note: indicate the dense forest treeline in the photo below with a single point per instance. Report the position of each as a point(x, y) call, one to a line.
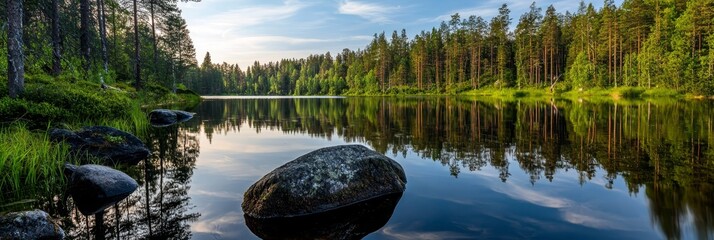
point(641, 43)
point(138, 42)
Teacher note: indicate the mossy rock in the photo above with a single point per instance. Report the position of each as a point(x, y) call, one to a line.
point(109, 144)
point(323, 180)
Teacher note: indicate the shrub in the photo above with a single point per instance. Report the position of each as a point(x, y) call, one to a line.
point(520, 94)
point(630, 92)
point(39, 114)
point(84, 100)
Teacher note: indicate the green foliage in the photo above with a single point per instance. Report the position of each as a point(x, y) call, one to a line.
point(629, 92)
point(646, 44)
point(31, 160)
point(84, 100)
point(36, 114)
point(458, 88)
point(581, 73)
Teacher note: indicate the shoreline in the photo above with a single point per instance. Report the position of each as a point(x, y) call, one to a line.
point(614, 94)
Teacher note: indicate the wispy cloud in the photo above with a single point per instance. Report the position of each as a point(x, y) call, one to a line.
point(250, 16)
point(534, 197)
point(266, 41)
point(217, 225)
point(214, 194)
point(370, 11)
point(592, 218)
point(265, 48)
point(392, 232)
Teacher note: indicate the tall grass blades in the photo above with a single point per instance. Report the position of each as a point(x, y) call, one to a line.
point(136, 122)
point(30, 159)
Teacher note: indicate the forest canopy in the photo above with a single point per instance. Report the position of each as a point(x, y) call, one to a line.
point(641, 43)
point(100, 41)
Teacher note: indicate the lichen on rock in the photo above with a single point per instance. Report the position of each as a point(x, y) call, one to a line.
point(323, 180)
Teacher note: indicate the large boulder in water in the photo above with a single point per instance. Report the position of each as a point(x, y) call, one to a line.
point(107, 143)
point(166, 117)
point(29, 225)
point(322, 180)
point(95, 187)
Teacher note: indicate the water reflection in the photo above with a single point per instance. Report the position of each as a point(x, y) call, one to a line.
point(477, 168)
point(351, 222)
point(159, 209)
point(664, 148)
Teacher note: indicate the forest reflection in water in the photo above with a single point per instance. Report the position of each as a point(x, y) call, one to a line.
point(659, 151)
point(159, 209)
point(664, 148)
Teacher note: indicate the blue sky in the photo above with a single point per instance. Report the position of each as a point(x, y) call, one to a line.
point(243, 31)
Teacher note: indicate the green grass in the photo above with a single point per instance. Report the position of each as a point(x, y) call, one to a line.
point(29, 161)
point(512, 93)
point(534, 93)
point(29, 158)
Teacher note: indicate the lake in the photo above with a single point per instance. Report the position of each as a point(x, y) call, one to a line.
point(484, 169)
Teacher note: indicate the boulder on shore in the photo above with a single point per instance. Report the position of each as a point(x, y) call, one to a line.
point(322, 180)
point(95, 188)
point(107, 143)
point(166, 117)
point(34, 224)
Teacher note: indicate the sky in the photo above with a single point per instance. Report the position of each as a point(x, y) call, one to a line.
point(244, 31)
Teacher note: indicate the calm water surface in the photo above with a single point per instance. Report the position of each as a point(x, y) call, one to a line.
point(483, 169)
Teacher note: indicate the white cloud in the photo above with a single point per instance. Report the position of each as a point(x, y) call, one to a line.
point(257, 41)
point(394, 233)
point(370, 11)
point(225, 195)
point(251, 16)
point(217, 225)
point(264, 48)
point(588, 217)
point(534, 197)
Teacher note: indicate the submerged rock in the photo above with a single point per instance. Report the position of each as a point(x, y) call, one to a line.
point(322, 180)
point(34, 224)
point(107, 143)
point(352, 222)
point(95, 187)
point(166, 117)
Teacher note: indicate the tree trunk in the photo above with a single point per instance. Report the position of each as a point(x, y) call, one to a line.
point(56, 40)
point(478, 67)
point(153, 34)
point(114, 30)
point(103, 32)
point(84, 33)
point(15, 57)
point(137, 61)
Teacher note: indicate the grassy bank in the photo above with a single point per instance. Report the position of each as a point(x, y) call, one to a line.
point(610, 94)
point(29, 158)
